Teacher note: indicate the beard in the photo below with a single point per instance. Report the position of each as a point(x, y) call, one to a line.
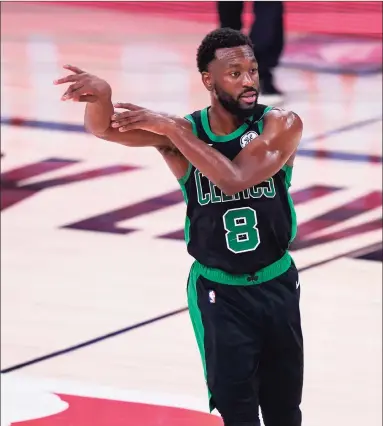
point(233, 105)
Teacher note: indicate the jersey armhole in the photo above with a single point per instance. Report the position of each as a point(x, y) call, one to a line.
point(182, 180)
point(260, 121)
point(194, 126)
point(288, 174)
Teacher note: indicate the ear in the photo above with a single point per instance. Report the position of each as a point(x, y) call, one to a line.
point(207, 81)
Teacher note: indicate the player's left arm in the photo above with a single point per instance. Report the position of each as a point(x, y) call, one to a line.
point(257, 162)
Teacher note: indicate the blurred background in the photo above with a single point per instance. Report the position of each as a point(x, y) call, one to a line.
point(94, 324)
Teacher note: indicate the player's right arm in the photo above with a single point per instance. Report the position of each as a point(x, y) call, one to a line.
point(99, 109)
point(97, 94)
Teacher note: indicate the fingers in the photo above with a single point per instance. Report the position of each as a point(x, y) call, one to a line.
point(78, 91)
point(74, 69)
point(73, 77)
point(68, 79)
point(127, 115)
point(72, 89)
point(139, 125)
point(128, 106)
point(123, 124)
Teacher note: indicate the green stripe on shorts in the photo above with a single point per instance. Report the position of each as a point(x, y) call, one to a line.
point(196, 319)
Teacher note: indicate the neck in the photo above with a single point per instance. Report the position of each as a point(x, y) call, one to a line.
point(222, 122)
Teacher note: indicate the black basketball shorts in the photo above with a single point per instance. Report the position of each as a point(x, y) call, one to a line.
point(251, 345)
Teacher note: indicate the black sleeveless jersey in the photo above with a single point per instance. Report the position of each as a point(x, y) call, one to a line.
point(245, 232)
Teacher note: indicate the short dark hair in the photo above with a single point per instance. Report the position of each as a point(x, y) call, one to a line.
point(219, 39)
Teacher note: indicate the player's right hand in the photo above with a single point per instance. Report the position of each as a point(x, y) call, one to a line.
point(85, 87)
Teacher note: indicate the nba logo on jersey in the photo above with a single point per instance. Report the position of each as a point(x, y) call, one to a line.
point(247, 138)
point(212, 296)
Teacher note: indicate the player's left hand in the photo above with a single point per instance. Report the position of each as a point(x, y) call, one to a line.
point(140, 118)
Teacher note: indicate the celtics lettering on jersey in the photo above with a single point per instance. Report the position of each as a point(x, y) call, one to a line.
point(240, 223)
point(215, 195)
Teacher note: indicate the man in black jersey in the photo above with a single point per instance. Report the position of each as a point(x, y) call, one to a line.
point(234, 163)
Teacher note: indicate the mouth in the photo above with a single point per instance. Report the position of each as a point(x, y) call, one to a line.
point(249, 97)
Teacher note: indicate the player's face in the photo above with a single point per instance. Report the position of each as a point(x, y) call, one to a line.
point(233, 79)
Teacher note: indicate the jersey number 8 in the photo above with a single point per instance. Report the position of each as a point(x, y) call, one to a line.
point(241, 230)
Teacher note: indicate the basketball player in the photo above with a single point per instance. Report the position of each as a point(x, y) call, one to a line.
point(233, 161)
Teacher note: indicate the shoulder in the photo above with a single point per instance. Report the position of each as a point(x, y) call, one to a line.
point(194, 120)
point(284, 130)
point(283, 119)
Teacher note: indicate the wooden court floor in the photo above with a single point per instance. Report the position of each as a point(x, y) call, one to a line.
point(94, 326)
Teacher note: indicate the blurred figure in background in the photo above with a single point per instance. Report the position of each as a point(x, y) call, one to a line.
point(267, 35)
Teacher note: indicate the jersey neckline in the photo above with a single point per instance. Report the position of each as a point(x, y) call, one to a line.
point(221, 138)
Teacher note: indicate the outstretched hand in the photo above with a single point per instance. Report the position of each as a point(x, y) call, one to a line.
point(85, 87)
point(140, 118)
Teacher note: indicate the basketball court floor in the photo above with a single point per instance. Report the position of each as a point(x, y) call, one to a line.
point(94, 325)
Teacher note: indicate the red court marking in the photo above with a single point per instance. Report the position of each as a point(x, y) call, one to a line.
point(85, 411)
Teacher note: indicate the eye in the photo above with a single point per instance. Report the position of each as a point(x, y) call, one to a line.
point(235, 74)
point(254, 70)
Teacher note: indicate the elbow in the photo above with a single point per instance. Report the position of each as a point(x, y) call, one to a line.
point(104, 134)
point(230, 192)
point(231, 184)
point(89, 130)
point(240, 183)
point(232, 187)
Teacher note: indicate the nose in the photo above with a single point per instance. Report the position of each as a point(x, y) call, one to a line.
point(248, 80)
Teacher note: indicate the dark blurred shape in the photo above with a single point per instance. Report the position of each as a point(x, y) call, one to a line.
point(267, 35)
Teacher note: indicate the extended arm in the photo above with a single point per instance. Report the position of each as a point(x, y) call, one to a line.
point(97, 93)
point(258, 161)
point(100, 118)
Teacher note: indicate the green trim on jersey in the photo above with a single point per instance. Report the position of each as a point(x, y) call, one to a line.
point(265, 274)
point(222, 138)
point(182, 180)
point(194, 126)
point(260, 121)
point(185, 177)
point(288, 173)
point(196, 319)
